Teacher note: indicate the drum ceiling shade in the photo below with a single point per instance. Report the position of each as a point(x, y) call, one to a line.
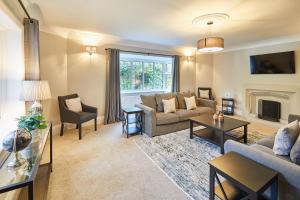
point(210, 44)
point(35, 91)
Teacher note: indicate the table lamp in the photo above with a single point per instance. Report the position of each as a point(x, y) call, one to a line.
point(35, 91)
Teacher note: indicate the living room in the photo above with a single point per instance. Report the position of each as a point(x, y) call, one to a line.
point(210, 90)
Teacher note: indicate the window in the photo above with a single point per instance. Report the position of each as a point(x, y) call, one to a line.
point(143, 73)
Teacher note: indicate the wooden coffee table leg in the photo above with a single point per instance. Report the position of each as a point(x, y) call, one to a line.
point(191, 129)
point(245, 134)
point(222, 142)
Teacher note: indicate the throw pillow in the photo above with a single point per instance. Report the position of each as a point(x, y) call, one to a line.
point(295, 152)
point(149, 100)
point(74, 104)
point(285, 138)
point(204, 94)
point(165, 96)
point(169, 105)
point(181, 101)
point(190, 103)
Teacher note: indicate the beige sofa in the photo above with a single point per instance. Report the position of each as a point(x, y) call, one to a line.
point(156, 122)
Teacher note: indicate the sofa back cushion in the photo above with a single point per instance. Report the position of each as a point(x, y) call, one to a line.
point(165, 96)
point(149, 100)
point(295, 152)
point(180, 97)
point(285, 138)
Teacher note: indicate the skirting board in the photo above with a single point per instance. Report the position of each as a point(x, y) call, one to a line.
point(56, 127)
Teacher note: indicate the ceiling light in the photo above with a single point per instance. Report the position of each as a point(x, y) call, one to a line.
point(206, 20)
point(210, 44)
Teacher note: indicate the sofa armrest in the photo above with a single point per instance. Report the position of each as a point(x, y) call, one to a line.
point(149, 122)
point(293, 117)
point(289, 172)
point(207, 103)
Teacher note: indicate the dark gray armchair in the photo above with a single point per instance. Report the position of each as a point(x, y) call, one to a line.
point(67, 116)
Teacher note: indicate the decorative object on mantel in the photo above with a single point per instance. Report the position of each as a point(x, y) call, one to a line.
point(210, 44)
point(35, 91)
point(19, 139)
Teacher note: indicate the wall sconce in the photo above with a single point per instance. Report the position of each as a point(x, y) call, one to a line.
point(91, 49)
point(189, 59)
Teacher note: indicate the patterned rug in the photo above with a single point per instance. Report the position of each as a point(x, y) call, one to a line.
point(185, 160)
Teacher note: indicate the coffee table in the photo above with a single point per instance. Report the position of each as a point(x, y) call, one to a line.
point(217, 132)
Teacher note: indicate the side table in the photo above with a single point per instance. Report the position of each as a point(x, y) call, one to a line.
point(132, 121)
point(245, 179)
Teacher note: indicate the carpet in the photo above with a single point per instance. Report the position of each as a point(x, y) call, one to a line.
point(184, 160)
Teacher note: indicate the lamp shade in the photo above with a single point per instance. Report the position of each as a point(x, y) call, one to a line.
point(210, 44)
point(35, 91)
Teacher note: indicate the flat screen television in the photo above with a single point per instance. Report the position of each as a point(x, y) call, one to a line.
point(274, 63)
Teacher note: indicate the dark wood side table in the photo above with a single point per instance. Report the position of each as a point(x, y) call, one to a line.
point(132, 121)
point(245, 179)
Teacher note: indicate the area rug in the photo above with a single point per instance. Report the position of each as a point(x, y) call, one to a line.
point(184, 160)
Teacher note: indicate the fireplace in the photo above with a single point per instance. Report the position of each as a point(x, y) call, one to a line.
point(269, 110)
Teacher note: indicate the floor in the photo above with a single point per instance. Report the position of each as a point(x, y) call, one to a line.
point(106, 165)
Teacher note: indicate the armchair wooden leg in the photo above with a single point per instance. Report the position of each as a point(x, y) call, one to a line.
point(79, 128)
point(95, 121)
point(76, 126)
point(62, 129)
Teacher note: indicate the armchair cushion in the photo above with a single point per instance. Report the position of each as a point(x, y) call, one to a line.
point(74, 104)
point(86, 116)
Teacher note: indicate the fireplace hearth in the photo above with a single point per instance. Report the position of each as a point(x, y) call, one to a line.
point(269, 110)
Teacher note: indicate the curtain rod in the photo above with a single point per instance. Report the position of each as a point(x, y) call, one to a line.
point(23, 7)
point(138, 52)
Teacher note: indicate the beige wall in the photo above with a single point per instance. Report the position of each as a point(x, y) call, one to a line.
point(231, 72)
point(69, 69)
point(86, 75)
point(204, 70)
point(53, 67)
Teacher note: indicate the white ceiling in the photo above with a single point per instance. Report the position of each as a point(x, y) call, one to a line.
point(169, 22)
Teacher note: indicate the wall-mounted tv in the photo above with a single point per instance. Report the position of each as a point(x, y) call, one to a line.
point(274, 63)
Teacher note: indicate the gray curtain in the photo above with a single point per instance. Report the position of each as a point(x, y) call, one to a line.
point(32, 49)
point(176, 74)
point(113, 111)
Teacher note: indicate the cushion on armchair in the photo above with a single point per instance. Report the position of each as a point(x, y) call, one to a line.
point(74, 104)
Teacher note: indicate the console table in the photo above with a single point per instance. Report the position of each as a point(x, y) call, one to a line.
point(11, 179)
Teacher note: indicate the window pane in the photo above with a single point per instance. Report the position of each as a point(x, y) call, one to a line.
point(148, 76)
point(158, 76)
point(125, 75)
point(138, 75)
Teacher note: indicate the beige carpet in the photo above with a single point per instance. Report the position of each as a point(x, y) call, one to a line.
point(106, 165)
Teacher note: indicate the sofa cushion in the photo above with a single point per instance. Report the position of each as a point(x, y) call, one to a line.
point(269, 151)
point(166, 118)
point(180, 97)
point(204, 110)
point(295, 152)
point(285, 138)
point(169, 105)
point(184, 114)
point(267, 141)
point(165, 96)
point(190, 103)
point(149, 100)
